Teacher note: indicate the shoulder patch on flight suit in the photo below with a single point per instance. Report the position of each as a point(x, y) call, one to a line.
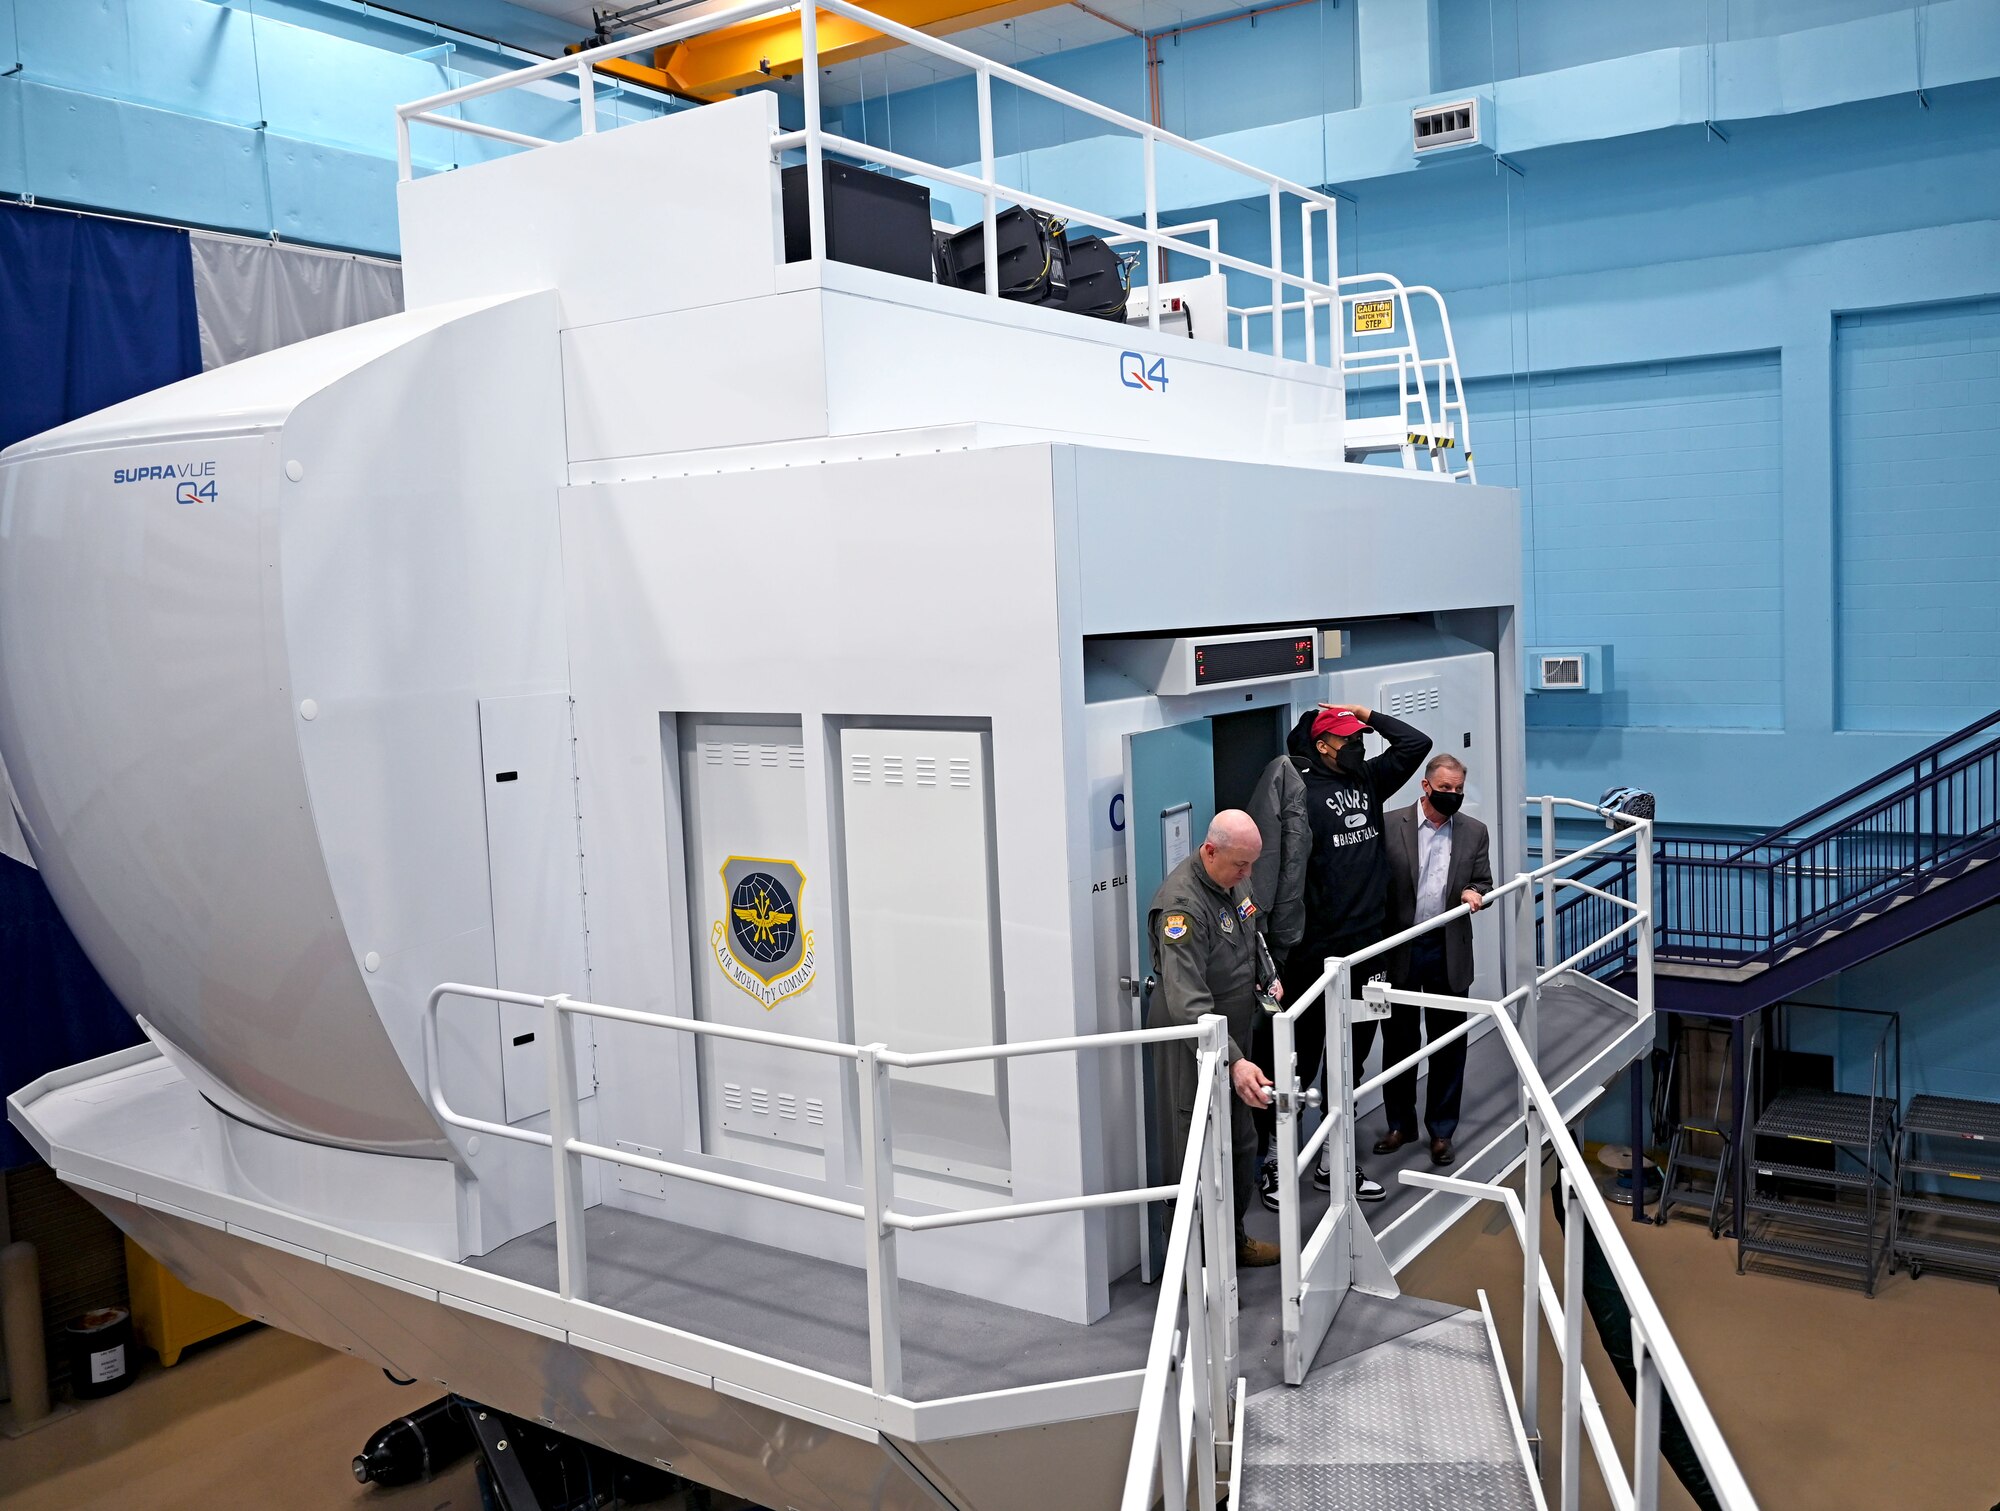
point(1174, 925)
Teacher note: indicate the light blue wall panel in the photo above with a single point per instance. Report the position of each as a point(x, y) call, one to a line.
point(1290, 64)
point(342, 93)
point(331, 195)
point(84, 149)
point(1653, 498)
point(1480, 40)
point(937, 123)
point(1918, 438)
point(179, 55)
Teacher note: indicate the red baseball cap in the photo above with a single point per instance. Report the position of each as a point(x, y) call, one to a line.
point(1336, 721)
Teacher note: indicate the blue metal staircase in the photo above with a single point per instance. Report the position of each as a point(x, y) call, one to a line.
point(1744, 925)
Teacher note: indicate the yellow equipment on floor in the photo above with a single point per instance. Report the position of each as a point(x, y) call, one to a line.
point(165, 1313)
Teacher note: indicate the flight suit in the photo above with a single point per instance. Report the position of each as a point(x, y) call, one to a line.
point(1205, 960)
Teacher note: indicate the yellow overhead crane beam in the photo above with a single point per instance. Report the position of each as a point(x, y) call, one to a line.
point(716, 65)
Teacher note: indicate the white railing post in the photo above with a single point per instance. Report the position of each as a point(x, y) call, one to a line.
point(1277, 267)
point(1575, 1225)
point(1531, 1291)
point(1646, 1425)
point(586, 98)
point(1219, 1235)
point(1173, 1458)
point(402, 147)
point(1306, 268)
point(1199, 1371)
point(878, 1191)
point(815, 174)
point(989, 215)
point(1156, 260)
point(1338, 1058)
point(1285, 1087)
point(1642, 893)
point(571, 1253)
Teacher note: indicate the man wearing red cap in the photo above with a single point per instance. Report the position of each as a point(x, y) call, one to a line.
point(1346, 892)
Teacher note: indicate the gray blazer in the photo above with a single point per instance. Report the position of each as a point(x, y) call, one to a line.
point(1470, 867)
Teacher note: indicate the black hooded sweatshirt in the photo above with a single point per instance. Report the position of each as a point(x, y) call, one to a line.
point(1347, 877)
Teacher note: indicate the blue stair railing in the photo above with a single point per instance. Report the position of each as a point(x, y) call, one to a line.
point(1733, 905)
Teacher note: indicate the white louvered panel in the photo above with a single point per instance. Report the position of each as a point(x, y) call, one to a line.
point(1405, 700)
point(922, 943)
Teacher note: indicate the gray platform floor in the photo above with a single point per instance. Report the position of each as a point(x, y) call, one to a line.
point(814, 1312)
point(1416, 1422)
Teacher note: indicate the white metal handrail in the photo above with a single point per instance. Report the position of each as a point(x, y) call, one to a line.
point(1660, 1365)
point(568, 1149)
point(815, 140)
point(1415, 373)
point(1662, 1370)
point(1190, 1384)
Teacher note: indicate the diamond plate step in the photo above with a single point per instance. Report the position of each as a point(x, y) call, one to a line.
point(1415, 1424)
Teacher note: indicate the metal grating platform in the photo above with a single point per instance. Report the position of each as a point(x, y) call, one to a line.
point(1418, 1423)
point(1953, 1117)
point(1831, 1117)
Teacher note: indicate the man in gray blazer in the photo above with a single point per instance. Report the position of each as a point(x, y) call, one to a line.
point(1437, 860)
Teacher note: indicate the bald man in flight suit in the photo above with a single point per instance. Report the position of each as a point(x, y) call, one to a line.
point(1203, 927)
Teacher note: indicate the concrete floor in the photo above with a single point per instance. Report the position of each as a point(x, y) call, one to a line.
point(1831, 1401)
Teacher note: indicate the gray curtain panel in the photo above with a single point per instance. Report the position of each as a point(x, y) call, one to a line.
point(251, 297)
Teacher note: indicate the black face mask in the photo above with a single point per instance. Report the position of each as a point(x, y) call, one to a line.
point(1350, 760)
point(1446, 803)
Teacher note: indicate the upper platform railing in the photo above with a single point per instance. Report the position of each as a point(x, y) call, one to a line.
point(1293, 286)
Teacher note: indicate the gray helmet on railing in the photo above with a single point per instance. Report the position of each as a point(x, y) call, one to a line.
point(1622, 805)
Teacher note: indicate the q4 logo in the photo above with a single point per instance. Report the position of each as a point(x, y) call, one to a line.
point(195, 493)
point(1134, 371)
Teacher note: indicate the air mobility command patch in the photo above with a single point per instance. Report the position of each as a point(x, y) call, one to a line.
point(1174, 925)
point(761, 945)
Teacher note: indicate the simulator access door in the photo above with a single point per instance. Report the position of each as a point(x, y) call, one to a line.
point(1169, 802)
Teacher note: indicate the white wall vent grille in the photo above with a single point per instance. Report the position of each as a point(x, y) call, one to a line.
point(1403, 700)
point(1452, 125)
point(1565, 669)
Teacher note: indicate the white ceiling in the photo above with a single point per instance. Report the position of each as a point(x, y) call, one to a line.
point(1059, 28)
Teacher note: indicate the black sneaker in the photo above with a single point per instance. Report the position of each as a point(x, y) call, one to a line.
point(1267, 1182)
point(1368, 1190)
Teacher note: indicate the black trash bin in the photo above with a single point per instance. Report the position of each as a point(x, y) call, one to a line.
point(100, 1352)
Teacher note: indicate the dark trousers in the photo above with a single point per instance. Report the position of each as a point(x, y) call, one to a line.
point(1301, 969)
point(1401, 1038)
point(1179, 1092)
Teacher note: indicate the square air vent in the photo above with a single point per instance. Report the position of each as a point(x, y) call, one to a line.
point(1452, 125)
point(1562, 672)
point(1564, 669)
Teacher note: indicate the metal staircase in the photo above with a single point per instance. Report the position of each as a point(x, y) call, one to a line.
point(1743, 926)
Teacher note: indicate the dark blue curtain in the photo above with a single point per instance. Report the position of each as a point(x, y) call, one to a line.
point(91, 312)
